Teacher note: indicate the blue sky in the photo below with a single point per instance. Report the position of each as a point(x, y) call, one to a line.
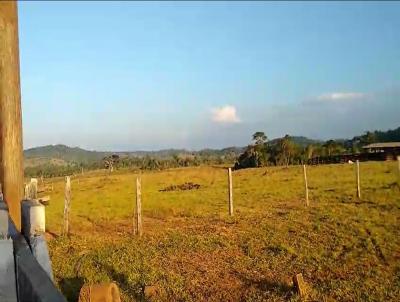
point(152, 75)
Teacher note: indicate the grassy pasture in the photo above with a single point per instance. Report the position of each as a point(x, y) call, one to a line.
point(347, 249)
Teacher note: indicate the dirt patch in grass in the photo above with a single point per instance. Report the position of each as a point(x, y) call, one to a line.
point(183, 187)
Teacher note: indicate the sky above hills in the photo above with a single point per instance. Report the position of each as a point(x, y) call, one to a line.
point(154, 75)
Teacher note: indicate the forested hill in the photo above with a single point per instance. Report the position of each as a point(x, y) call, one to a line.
point(61, 154)
point(380, 136)
point(64, 153)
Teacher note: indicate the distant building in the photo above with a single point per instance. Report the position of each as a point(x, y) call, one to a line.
point(390, 149)
point(372, 152)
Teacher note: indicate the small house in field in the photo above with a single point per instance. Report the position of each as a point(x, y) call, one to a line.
point(390, 149)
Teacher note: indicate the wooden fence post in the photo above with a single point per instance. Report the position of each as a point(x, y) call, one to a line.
point(306, 184)
point(26, 191)
point(358, 178)
point(299, 285)
point(398, 164)
point(33, 188)
point(230, 192)
point(138, 208)
point(67, 204)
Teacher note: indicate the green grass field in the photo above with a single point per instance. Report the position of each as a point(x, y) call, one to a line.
point(191, 250)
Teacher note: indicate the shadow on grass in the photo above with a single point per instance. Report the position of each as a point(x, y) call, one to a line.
point(137, 292)
point(373, 205)
point(70, 288)
point(281, 289)
point(391, 186)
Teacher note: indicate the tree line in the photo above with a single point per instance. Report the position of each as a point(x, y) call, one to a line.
point(285, 150)
point(116, 162)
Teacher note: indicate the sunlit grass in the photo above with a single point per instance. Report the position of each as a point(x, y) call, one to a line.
point(191, 250)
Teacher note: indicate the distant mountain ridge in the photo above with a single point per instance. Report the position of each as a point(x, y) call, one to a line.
point(65, 154)
point(62, 154)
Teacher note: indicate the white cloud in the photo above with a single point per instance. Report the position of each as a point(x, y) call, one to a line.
point(341, 96)
point(225, 114)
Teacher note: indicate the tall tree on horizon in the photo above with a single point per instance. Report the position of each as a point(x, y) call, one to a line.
point(259, 138)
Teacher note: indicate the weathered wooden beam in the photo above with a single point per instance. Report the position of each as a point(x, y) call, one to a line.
point(11, 157)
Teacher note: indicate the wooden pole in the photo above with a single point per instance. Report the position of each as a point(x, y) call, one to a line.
point(11, 157)
point(299, 285)
point(138, 210)
point(67, 204)
point(358, 178)
point(33, 188)
point(230, 192)
point(398, 164)
point(26, 191)
point(306, 184)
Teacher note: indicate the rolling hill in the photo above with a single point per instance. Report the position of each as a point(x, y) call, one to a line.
point(64, 155)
